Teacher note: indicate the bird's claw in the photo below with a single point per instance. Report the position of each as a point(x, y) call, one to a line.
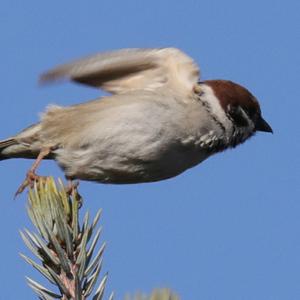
point(71, 187)
point(29, 181)
point(72, 190)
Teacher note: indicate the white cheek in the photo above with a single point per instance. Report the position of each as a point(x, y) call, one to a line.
point(215, 107)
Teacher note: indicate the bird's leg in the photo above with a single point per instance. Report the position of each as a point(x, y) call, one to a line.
point(72, 190)
point(71, 186)
point(43, 153)
point(31, 176)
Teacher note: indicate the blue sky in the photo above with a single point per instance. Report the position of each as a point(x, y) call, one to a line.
point(227, 229)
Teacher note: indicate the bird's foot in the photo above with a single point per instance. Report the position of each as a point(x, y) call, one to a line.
point(71, 187)
point(29, 181)
point(72, 190)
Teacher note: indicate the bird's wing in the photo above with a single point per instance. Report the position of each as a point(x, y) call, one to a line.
point(131, 69)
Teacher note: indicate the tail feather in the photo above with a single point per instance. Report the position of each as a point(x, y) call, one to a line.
point(11, 148)
point(20, 145)
point(7, 143)
point(4, 144)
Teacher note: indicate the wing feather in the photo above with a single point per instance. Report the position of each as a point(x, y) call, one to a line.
point(131, 69)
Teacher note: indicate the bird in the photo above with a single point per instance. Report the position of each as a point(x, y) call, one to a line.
point(159, 120)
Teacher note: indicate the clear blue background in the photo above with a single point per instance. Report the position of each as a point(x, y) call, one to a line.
point(227, 229)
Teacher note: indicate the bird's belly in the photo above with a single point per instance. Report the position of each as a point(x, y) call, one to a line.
point(121, 168)
point(122, 147)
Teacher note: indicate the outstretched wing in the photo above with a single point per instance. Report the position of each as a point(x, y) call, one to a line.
point(131, 69)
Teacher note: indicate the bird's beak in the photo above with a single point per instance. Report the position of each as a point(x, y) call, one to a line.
point(262, 125)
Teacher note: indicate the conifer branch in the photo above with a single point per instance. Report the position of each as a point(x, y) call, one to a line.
point(63, 247)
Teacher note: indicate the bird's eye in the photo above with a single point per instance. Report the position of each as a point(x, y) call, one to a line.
point(237, 114)
point(250, 112)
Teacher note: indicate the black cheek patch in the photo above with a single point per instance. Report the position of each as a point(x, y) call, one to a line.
point(238, 116)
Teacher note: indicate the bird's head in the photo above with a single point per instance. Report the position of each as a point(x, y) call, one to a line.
point(239, 105)
point(234, 109)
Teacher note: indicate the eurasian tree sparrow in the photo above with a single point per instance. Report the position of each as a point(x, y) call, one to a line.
point(160, 121)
